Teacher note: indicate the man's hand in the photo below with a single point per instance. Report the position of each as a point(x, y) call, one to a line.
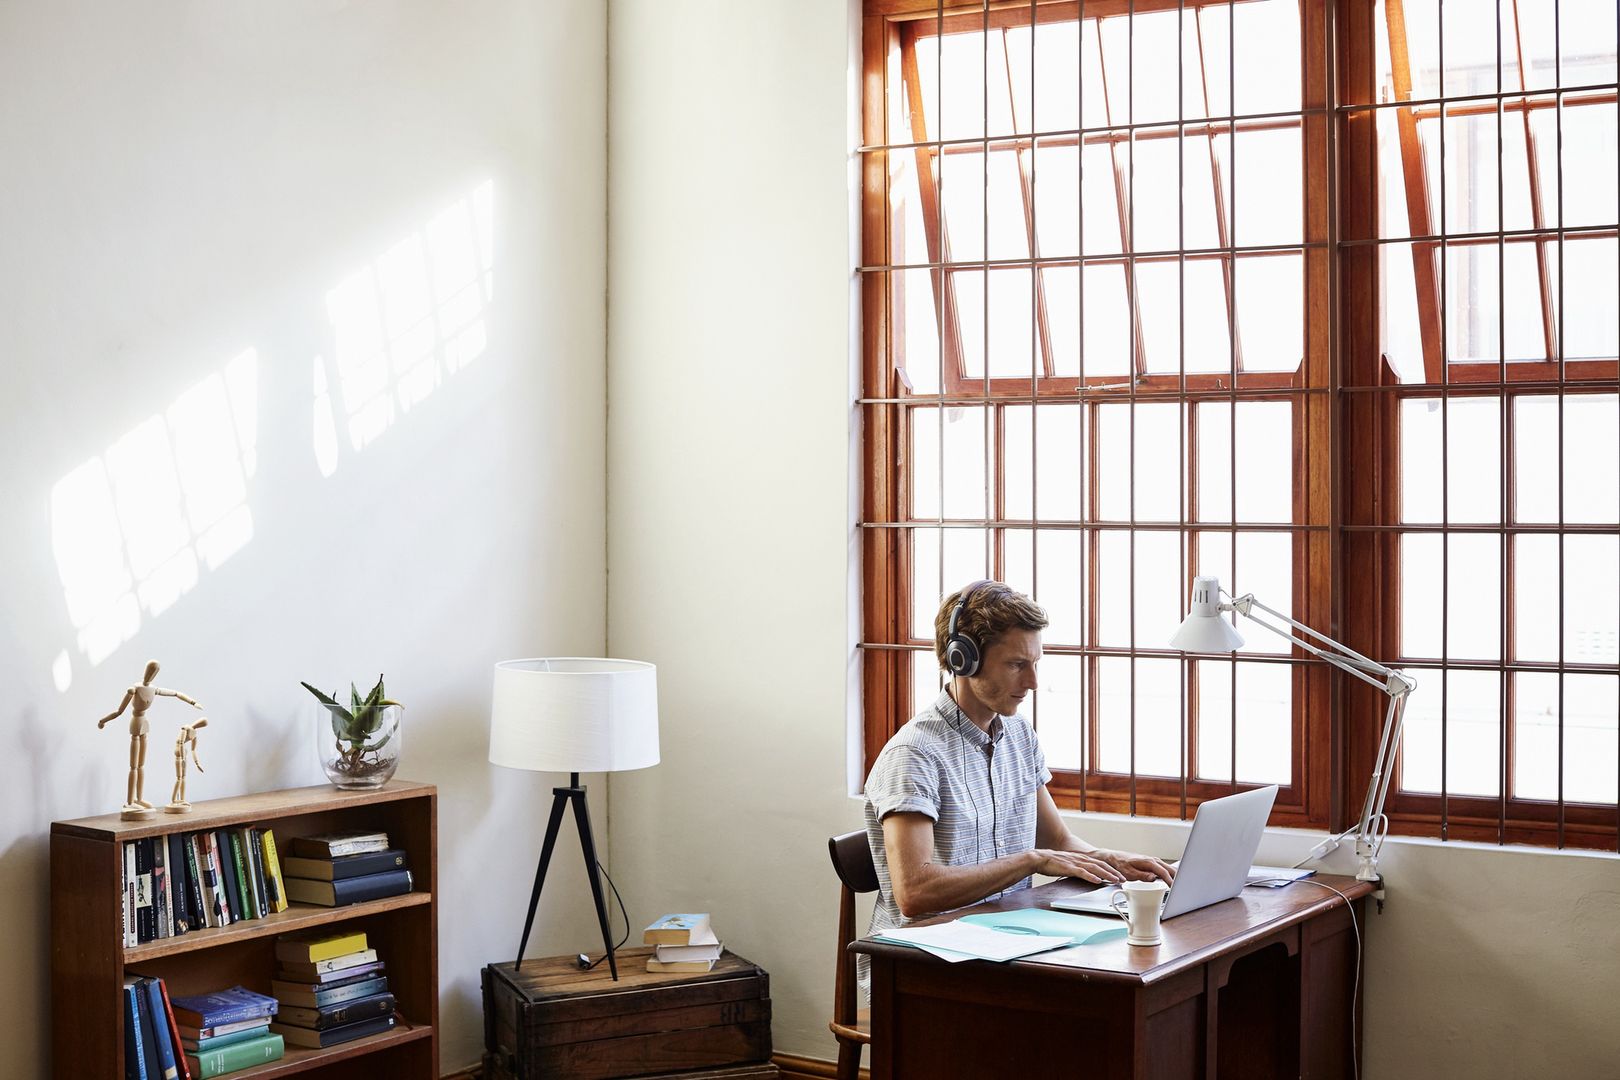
point(1087, 866)
point(1137, 867)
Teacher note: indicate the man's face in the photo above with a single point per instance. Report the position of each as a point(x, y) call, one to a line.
point(1007, 675)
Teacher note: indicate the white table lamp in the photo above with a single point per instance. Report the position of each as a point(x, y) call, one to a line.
point(573, 715)
point(1207, 630)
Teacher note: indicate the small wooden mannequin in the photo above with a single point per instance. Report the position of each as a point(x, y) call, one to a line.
point(141, 697)
point(188, 738)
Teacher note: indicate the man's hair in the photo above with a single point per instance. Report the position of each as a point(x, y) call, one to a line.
point(991, 610)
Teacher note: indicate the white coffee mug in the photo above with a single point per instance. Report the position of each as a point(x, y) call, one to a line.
point(1143, 901)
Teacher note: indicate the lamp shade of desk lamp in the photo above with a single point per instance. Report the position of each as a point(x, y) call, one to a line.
point(573, 715)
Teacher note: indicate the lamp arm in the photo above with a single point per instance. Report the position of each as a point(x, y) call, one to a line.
point(1344, 658)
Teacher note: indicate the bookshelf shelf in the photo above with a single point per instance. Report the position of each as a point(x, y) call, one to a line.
point(89, 960)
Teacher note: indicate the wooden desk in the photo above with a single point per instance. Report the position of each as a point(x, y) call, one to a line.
point(1257, 986)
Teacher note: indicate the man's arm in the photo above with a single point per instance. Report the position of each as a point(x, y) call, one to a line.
point(922, 887)
point(1051, 832)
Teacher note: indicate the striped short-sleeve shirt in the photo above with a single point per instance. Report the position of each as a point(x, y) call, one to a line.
point(979, 788)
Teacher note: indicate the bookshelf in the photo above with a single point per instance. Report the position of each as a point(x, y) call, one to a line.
point(89, 960)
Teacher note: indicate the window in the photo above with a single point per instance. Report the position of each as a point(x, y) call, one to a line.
point(1122, 328)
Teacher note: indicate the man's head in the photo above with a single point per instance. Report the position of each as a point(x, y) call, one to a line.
point(1003, 627)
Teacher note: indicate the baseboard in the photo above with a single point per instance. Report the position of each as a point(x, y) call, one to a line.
point(793, 1067)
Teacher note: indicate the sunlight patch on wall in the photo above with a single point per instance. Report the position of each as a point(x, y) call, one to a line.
point(133, 528)
point(407, 320)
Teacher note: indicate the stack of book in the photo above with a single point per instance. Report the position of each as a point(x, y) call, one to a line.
point(224, 1031)
point(683, 943)
point(331, 989)
point(188, 881)
point(344, 868)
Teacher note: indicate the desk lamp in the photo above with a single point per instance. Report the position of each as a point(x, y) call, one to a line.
point(1205, 630)
point(573, 715)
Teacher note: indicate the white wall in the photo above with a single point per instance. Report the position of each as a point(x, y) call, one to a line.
point(183, 182)
point(729, 549)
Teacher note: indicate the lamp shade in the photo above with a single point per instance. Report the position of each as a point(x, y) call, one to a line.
point(572, 714)
point(1205, 629)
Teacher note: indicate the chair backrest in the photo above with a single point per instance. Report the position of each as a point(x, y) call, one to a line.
point(852, 859)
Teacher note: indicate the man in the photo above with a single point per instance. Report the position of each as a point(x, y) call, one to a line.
point(957, 809)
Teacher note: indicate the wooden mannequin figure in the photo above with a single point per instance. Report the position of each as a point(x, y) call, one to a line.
point(140, 697)
point(188, 738)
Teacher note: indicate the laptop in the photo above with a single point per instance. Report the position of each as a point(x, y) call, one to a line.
point(1215, 864)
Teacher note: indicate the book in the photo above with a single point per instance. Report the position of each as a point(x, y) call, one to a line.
point(242, 1055)
point(343, 1033)
point(162, 901)
point(272, 869)
point(333, 995)
point(222, 875)
point(329, 970)
point(200, 897)
point(315, 946)
point(677, 954)
point(253, 1030)
point(161, 1038)
point(349, 890)
point(174, 1032)
point(134, 1037)
point(143, 1008)
point(681, 965)
point(130, 938)
point(680, 930)
point(192, 1033)
point(218, 914)
point(254, 852)
point(241, 881)
point(332, 845)
point(221, 1007)
point(344, 1012)
point(345, 866)
point(145, 918)
point(180, 880)
point(281, 985)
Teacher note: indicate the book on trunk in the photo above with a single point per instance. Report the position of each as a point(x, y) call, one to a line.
point(242, 1055)
point(343, 1033)
point(345, 866)
point(350, 890)
point(332, 845)
point(344, 1012)
point(314, 946)
point(680, 930)
point(332, 995)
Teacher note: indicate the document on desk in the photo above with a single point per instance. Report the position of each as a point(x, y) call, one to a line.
point(1078, 929)
point(957, 941)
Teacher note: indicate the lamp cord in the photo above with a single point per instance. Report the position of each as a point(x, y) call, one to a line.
point(622, 913)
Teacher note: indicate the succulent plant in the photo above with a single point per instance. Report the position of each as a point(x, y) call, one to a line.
point(358, 728)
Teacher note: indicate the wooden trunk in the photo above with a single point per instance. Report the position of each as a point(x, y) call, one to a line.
point(552, 1020)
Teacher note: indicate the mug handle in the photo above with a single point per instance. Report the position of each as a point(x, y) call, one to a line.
point(1113, 902)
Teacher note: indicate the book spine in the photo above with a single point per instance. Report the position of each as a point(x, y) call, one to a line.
point(145, 921)
point(160, 1029)
point(195, 900)
point(337, 995)
point(134, 1038)
point(272, 869)
point(243, 862)
point(148, 1033)
point(129, 894)
point(348, 1012)
point(255, 856)
point(371, 887)
point(162, 894)
point(242, 1055)
point(208, 852)
point(227, 874)
point(179, 883)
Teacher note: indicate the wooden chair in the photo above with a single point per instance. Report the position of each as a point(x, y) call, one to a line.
point(852, 859)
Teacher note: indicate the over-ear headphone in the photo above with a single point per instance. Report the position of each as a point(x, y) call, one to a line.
point(962, 656)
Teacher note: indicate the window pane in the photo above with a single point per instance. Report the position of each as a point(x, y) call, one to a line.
point(1159, 293)
point(1263, 566)
point(1113, 465)
point(1591, 278)
point(1591, 599)
point(1266, 56)
point(977, 197)
point(1102, 187)
point(1420, 596)
point(1155, 188)
point(1535, 452)
point(1469, 46)
point(1204, 158)
point(1056, 180)
point(1268, 187)
point(963, 462)
point(1159, 587)
point(1590, 163)
point(1529, 312)
point(1474, 597)
point(1474, 308)
point(1113, 598)
point(1059, 569)
point(1157, 702)
point(1473, 735)
point(1056, 462)
point(1589, 709)
point(1535, 598)
point(1471, 178)
point(1471, 430)
point(1010, 335)
point(1592, 459)
point(1264, 461)
point(1399, 332)
point(926, 679)
point(1586, 38)
point(914, 340)
point(1057, 706)
point(1057, 71)
point(1264, 710)
point(926, 587)
point(908, 234)
point(1155, 49)
point(1106, 329)
point(1159, 451)
point(1206, 328)
point(1271, 312)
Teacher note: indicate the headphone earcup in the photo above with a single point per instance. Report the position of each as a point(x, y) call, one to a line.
point(962, 656)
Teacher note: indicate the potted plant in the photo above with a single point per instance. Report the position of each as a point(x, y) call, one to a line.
point(362, 749)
